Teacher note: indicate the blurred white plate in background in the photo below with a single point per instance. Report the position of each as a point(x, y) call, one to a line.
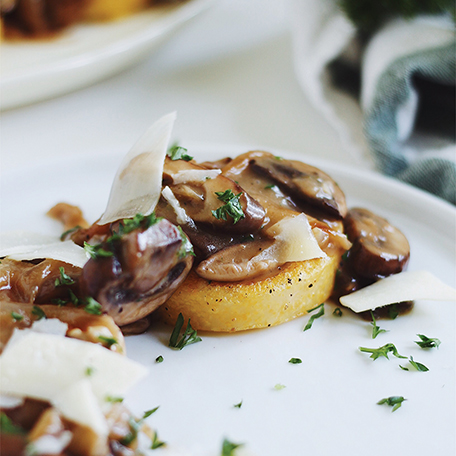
point(32, 71)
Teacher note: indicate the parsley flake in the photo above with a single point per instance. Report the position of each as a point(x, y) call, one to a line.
point(38, 312)
point(186, 246)
point(427, 342)
point(232, 206)
point(382, 351)
point(156, 443)
point(392, 401)
point(279, 386)
point(16, 316)
point(97, 251)
point(295, 361)
point(238, 405)
point(176, 152)
point(376, 329)
point(8, 427)
point(188, 337)
point(92, 307)
point(64, 279)
point(159, 359)
point(109, 341)
point(229, 447)
point(313, 317)
point(418, 366)
point(337, 312)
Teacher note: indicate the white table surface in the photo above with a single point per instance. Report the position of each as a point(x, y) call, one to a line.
point(228, 74)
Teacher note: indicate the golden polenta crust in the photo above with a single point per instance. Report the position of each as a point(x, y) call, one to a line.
point(226, 306)
point(108, 10)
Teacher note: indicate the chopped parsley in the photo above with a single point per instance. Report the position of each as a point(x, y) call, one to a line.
point(418, 366)
point(156, 443)
point(232, 206)
point(392, 401)
point(97, 251)
point(188, 337)
point(376, 329)
point(16, 316)
point(279, 386)
point(135, 426)
point(427, 342)
point(295, 361)
point(89, 371)
point(70, 231)
point(337, 312)
point(382, 351)
point(186, 246)
point(114, 399)
point(136, 222)
point(38, 312)
point(109, 341)
point(8, 427)
point(176, 152)
point(238, 405)
point(64, 279)
point(159, 359)
point(229, 447)
point(313, 317)
point(92, 307)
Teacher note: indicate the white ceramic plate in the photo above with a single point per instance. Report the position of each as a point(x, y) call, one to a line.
point(329, 403)
point(35, 70)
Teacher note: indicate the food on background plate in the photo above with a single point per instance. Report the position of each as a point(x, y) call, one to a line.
point(43, 18)
point(233, 244)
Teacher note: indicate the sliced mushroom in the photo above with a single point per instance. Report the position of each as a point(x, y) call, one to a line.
point(143, 271)
point(306, 184)
point(201, 198)
point(239, 262)
point(379, 249)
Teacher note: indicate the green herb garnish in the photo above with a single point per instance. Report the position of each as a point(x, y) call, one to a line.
point(89, 371)
point(382, 351)
point(418, 366)
point(178, 153)
point(376, 329)
point(97, 251)
point(229, 447)
point(16, 316)
point(295, 361)
point(337, 312)
point(188, 337)
point(109, 341)
point(114, 399)
point(8, 427)
point(313, 317)
point(156, 443)
point(136, 222)
point(186, 246)
point(92, 307)
point(427, 342)
point(392, 401)
point(70, 231)
point(64, 279)
point(232, 206)
point(159, 359)
point(38, 312)
point(279, 386)
point(238, 405)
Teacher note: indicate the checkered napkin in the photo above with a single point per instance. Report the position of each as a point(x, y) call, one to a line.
point(390, 95)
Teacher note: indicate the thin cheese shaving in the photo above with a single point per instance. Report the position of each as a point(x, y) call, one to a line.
point(194, 175)
point(405, 286)
point(137, 185)
point(181, 216)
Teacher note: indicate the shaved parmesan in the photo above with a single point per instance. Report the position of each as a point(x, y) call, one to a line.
point(137, 184)
point(194, 175)
point(295, 240)
point(55, 369)
point(49, 444)
point(17, 241)
point(78, 403)
point(181, 216)
point(405, 286)
point(23, 245)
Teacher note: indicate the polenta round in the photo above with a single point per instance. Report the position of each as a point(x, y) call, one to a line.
point(235, 306)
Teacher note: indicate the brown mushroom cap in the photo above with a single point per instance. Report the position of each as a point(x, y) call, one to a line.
point(379, 249)
point(306, 184)
point(145, 269)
